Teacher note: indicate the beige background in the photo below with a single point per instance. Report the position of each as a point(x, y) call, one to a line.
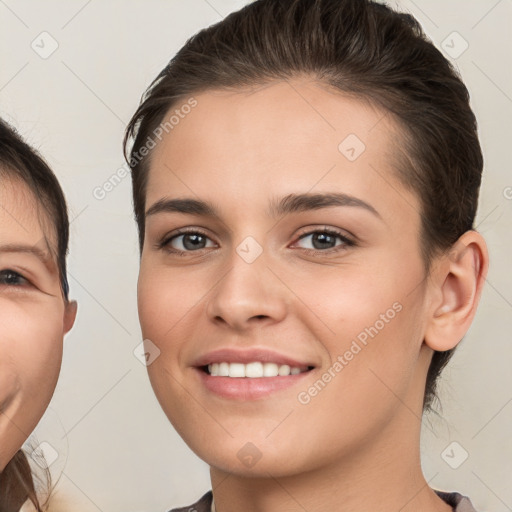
point(114, 448)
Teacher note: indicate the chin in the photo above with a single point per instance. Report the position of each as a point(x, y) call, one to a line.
point(247, 460)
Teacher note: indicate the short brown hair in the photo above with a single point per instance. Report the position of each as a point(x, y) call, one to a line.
point(360, 47)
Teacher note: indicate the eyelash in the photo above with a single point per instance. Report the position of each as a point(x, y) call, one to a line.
point(8, 273)
point(164, 244)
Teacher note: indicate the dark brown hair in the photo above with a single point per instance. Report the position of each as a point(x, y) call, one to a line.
point(359, 47)
point(21, 162)
point(17, 485)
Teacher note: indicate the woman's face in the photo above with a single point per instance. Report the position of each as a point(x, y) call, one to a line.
point(33, 316)
point(351, 303)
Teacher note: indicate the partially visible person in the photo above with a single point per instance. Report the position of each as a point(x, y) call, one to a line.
point(35, 310)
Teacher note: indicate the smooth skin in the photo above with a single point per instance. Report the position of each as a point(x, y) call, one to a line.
point(33, 314)
point(355, 446)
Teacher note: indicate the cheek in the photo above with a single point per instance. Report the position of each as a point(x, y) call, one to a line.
point(374, 319)
point(45, 364)
point(377, 294)
point(167, 304)
point(161, 305)
point(166, 299)
point(340, 303)
point(31, 340)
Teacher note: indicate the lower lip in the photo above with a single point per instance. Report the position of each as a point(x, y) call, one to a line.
point(245, 388)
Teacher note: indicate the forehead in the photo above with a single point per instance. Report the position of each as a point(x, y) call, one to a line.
point(291, 136)
point(22, 218)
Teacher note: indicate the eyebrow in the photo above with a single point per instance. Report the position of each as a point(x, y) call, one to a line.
point(291, 203)
point(28, 249)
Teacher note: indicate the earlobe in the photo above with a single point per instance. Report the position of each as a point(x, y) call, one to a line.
point(460, 278)
point(70, 315)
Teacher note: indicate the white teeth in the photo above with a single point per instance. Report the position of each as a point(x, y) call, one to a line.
point(255, 369)
point(284, 370)
point(236, 370)
point(270, 370)
point(223, 370)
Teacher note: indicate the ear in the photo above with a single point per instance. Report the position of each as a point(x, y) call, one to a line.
point(458, 281)
point(69, 315)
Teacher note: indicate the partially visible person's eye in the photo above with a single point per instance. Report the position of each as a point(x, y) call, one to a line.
point(324, 240)
point(184, 241)
point(9, 277)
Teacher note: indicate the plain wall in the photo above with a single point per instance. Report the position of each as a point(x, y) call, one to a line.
point(115, 449)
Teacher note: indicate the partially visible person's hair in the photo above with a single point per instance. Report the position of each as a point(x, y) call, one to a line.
point(19, 161)
point(17, 485)
point(359, 47)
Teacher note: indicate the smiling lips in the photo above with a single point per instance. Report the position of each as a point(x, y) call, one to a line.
point(249, 374)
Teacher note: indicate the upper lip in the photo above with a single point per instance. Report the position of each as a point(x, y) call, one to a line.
point(246, 356)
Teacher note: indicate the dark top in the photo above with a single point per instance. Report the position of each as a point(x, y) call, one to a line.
point(457, 501)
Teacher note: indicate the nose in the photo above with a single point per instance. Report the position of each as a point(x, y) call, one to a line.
point(247, 295)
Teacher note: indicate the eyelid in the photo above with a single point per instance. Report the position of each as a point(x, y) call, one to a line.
point(15, 270)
